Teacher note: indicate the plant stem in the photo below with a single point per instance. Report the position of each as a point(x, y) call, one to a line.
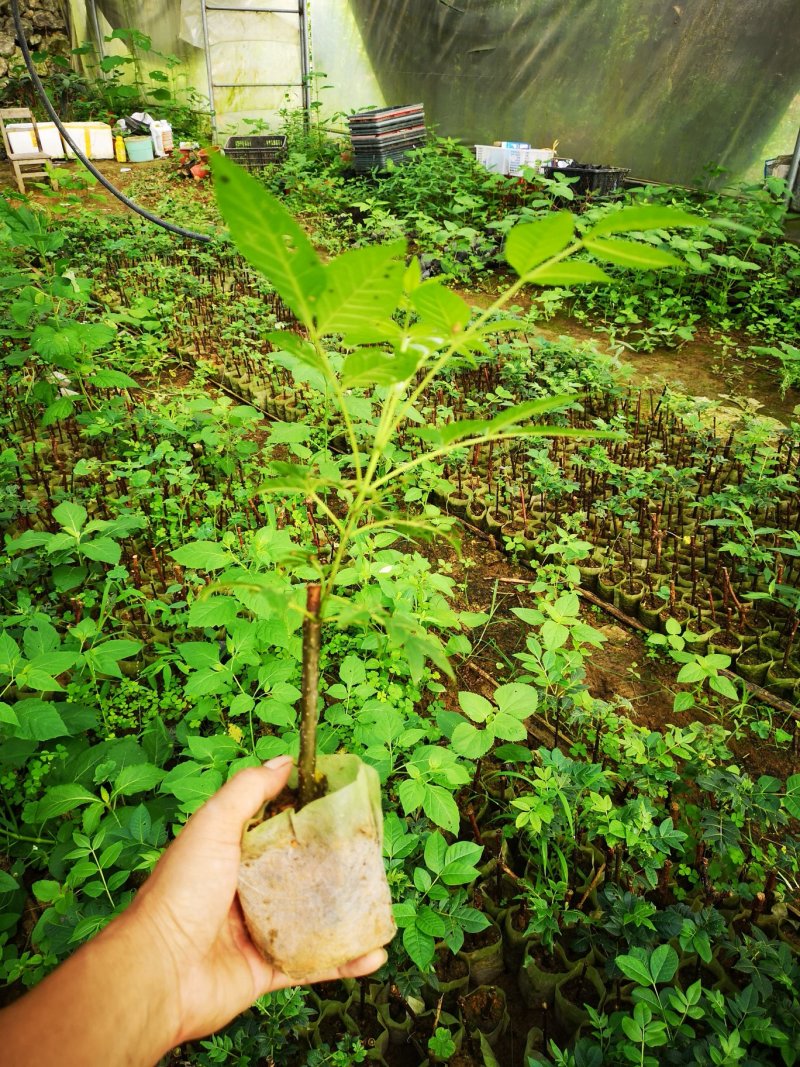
point(306, 764)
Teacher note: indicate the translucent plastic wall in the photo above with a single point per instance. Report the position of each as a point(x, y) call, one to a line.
point(662, 87)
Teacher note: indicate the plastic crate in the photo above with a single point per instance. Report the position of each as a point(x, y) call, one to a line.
point(256, 151)
point(592, 178)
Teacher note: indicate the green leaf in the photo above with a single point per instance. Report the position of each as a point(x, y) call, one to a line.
point(509, 728)
point(691, 672)
point(531, 243)
point(411, 792)
point(137, 778)
point(724, 686)
point(362, 289)
point(269, 239)
point(577, 272)
point(435, 852)
point(554, 635)
point(203, 555)
point(213, 611)
point(10, 655)
point(103, 550)
point(112, 379)
point(470, 742)
point(517, 699)
point(352, 671)
point(663, 963)
point(429, 922)
point(654, 217)
point(7, 883)
point(631, 254)
point(60, 799)
point(635, 969)
point(440, 308)
point(61, 408)
point(475, 706)
point(368, 367)
point(459, 872)
point(419, 946)
point(39, 720)
point(791, 801)
point(682, 702)
point(70, 517)
point(441, 808)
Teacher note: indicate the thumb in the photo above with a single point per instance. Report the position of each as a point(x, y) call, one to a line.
point(222, 818)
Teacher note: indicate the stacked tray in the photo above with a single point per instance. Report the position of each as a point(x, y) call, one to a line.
point(386, 133)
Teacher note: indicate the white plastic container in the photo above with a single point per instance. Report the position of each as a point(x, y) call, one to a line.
point(22, 138)
point(537, 158)
point(93, 138)
point(510, 161)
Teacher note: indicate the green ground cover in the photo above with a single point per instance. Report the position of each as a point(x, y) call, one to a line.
point(187, 441)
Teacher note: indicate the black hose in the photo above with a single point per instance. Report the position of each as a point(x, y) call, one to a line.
point(42, 94)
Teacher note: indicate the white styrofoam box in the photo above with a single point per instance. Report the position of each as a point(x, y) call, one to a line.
point(22, 138)
point(93, 138)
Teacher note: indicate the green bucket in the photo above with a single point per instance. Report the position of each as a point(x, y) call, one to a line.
point(139, 149)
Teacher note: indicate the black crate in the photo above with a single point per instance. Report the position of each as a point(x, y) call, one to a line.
point(599, 180)
point(256, 151)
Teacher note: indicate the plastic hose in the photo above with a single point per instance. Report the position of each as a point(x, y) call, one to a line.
point(42, 94)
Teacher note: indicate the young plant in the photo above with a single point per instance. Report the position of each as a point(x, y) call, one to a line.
point(373, 326)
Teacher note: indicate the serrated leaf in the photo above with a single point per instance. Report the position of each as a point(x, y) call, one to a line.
point(213, 611)
point(631, 254)
point(137, 778)
point(102, 550)
point(60, 799)
point(470, 742)
point(440, 807)
point(112, 379)
point(269, 238)
point(61, 408)
point(363, 287)
point(531, 243)
point(72, 517)
point(654, 217)
point(203, 555)
point(477, 707)
point(576, 272)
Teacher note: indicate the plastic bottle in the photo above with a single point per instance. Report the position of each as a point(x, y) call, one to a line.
point(119, 149)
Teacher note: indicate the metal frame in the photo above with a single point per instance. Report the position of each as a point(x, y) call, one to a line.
point(302, 26)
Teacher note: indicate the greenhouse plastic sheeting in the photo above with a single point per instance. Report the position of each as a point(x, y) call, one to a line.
point(664, 88)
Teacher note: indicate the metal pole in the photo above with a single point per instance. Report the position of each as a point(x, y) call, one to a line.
point(209, 75)
point(305, 65)
point(96, 30)
point(793, 169)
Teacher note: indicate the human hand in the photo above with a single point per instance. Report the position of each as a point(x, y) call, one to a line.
point(189, 908)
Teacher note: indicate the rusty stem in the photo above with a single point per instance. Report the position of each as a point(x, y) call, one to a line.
point(306, 764)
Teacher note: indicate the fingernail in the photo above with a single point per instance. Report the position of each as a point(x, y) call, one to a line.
point(277, 763)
